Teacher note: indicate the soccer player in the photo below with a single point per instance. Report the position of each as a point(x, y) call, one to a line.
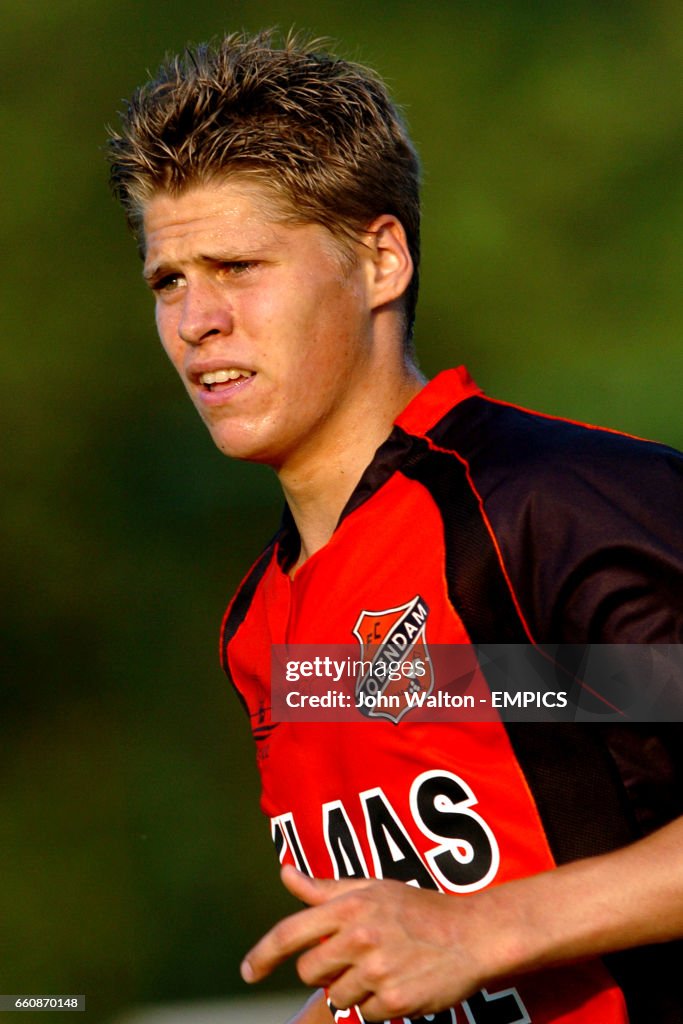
point(274, 193)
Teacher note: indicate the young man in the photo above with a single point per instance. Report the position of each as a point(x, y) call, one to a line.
point(274, 194)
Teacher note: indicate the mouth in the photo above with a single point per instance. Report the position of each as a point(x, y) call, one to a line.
point(224, 379)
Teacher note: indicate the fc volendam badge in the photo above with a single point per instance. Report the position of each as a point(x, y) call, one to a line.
point(396, 657)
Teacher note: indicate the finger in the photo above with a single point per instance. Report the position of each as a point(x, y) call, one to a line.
point(315, 891)
point(326, 961)
point(291, 935)
point(349, 990)
point(374, 1009)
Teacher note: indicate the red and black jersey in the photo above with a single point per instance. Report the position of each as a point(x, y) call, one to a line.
point(499, 525)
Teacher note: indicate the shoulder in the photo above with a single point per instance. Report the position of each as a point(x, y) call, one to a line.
point(504, 440)
point(589, 520)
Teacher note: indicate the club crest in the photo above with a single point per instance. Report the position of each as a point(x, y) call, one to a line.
point(396, 659)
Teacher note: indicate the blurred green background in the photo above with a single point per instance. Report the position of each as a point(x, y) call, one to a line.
point(134, 863)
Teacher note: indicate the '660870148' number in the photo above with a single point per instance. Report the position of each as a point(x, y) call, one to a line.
point(23, 1002)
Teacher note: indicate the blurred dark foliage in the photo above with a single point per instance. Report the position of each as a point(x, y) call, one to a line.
point(135, 864)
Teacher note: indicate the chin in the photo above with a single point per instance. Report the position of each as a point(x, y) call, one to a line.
point(244, 449)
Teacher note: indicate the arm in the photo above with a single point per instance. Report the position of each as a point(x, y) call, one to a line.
point(396, 951)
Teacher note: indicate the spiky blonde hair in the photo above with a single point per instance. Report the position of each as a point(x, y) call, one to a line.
point(321, 133)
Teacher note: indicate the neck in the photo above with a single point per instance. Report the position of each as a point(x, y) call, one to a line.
point(320, 482)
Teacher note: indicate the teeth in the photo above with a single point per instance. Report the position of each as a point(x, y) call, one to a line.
point(222, 376)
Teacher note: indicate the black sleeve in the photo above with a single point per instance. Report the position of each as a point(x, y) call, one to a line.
point(603, 551)
point(590, 525)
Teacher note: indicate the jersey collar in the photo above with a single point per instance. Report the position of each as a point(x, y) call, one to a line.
point(435, 399)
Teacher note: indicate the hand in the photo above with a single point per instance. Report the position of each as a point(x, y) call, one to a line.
point(398, 951)
point(389, 948)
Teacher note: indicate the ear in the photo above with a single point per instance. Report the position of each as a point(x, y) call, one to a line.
point(390, 264)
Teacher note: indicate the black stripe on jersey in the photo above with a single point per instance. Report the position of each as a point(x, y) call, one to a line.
point(477, 587)
point(390, 456)
point(262, 732)
point(237, 611)
point(576, 787)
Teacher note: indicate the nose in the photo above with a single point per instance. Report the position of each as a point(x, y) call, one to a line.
point(206, 313)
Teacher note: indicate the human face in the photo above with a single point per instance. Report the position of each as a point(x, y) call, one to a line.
point(267, 325)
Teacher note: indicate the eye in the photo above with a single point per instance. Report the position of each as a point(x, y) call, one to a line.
point(167, 284)
point(237, 268)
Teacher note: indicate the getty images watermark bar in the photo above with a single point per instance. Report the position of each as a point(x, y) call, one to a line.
point(477, 683)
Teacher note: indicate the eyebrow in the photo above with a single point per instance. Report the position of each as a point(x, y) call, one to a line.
point(158, 270)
